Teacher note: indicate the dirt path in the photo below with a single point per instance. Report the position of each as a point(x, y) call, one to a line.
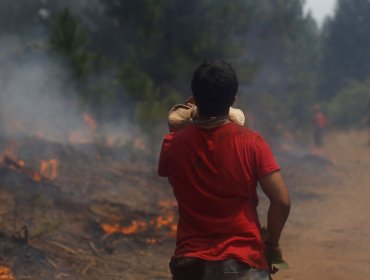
point(328, 237)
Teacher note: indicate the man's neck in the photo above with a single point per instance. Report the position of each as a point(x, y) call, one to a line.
point(210, 121)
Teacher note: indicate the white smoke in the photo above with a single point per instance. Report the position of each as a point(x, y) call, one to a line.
point(38, 99)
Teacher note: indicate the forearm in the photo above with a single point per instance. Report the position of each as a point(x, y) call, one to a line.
point(277, 215)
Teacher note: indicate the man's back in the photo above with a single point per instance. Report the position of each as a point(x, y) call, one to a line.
point(214, 174)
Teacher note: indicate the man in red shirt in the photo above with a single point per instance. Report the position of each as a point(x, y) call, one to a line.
point(320, 124)
point(213, 166)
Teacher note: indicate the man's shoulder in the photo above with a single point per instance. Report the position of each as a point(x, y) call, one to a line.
point(244, 131)
point(182, 133)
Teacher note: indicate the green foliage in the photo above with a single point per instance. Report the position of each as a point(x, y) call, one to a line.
point(70, 41)
point(168, 38)
point(349, 106)
point(346, 47)
point(286, 45)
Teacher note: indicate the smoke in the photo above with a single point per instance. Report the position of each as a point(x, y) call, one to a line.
point(37, 98)
point(32, 90)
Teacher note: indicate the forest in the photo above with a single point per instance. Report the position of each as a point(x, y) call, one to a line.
point(134, 59)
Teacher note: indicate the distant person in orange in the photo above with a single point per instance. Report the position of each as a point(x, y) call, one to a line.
point(320, 124)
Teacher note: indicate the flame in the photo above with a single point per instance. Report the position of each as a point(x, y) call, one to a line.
point(9, 157)
point(84, 135)
point(36, 177)
point(89, 121)
point(165, 222)
point(139, 144)
point(79, 137)
point(151, 241)
point(6, 273)
point(11, 149)
point(168, 203)
point(168, 222)
point(136, 226)
point(49, 169)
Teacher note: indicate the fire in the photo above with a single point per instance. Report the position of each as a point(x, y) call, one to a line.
point(49, 169)
point(6, 273)
point(89, 121)
point(11, 149)
point(168, 222)
point(165, 224)
point(165, 221)
point(84, 135)
point(79, 137)
point(136, 226)
point(168, 203)
point(151, 241)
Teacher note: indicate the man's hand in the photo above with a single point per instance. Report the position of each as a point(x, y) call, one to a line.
point(273, 254)
point(273, 186)
point(274, 258)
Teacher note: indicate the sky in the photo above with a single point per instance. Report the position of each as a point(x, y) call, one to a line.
point(320, 9)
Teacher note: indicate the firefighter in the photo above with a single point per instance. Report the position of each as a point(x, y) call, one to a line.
point(320, 125)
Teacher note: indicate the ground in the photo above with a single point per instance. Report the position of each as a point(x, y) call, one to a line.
point(326, 236)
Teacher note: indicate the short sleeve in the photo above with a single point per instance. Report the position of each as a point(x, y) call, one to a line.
point(164, 155)
point(264, 158)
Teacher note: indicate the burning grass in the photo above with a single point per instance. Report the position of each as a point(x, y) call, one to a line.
point(74, 213)
point(6, 273)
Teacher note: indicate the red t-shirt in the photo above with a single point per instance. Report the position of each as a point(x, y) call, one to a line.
point(320, 120)
point(214, 174)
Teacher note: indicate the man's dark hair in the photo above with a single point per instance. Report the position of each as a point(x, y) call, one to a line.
point(214, 86)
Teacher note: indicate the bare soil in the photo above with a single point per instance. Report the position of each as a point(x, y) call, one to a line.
point(328, 237)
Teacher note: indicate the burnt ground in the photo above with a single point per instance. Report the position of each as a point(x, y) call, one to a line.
point(53, 229)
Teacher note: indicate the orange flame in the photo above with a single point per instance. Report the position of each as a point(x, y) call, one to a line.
point(49, 169)
point(89, 121)
point(11, 149)
point(169, 222)
point(6, 273)
point(165, 222)
point(136, 226)
point(167, 203)
point(9, 157)
point(36, 177)
point(151, 241)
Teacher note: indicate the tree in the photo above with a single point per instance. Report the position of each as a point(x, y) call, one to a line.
point(346, 47)
point(166, 39)
point(350, 105)
point(70, 41)
point(285, 44)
